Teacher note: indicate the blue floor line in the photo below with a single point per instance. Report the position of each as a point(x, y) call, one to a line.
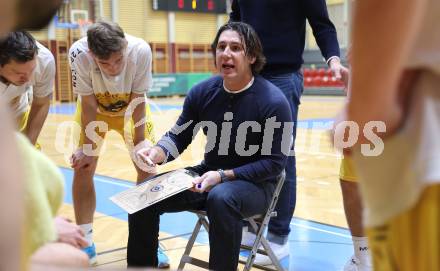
point(318, 124)
point(69, 108)
point(313, 246)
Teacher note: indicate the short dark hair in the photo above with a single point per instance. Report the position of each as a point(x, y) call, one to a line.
point(249, 38)
point(105, 38)
point(19, 46)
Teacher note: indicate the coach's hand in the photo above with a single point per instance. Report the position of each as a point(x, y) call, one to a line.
point(80, 160)
point(339, 71)
point(205, 182)
point(151, 155)
point(140, 156)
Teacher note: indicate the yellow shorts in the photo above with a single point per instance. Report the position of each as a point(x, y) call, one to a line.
point(22, 122)
point(410, 241)
point(117, 124)
point(347, 171)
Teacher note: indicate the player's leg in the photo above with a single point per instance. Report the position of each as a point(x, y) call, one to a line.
point(84, 204)
point(83, 192)
point(353, 212)
point(128, 136)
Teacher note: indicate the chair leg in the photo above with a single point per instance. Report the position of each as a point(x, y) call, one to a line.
point(261, 240)
point(271, 255)
point(190, 243)
point(204, 222)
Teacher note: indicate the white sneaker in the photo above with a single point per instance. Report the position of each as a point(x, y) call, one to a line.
point(248, 238)
point(353, 264)
point(280, 251)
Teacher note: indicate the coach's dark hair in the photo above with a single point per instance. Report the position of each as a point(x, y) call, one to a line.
point(249, 38)
point(105, 38)
point(19, 46)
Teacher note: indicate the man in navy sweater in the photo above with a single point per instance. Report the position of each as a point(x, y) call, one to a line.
point(281, 26)
point(248, 125)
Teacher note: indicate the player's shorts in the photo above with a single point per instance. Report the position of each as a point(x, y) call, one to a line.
point(22, 122)
point(410, 241)
point(116, 123)
point(347, 171)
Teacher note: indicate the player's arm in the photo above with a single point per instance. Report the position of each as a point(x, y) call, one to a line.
point(139, 118)
point(37, 116)
point(89, 107)
point(142, 82)
point(82, 85)
point(377, 63)
point(42, 94)
point(12, 199)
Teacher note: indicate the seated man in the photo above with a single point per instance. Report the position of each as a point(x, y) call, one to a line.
point(27, 69)
point(251, 119)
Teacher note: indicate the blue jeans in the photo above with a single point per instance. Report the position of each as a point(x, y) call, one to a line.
point(291, 84)
point(226, 206)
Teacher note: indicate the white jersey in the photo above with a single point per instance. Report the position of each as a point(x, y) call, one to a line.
point(112, 92)
point(392, 182)
point(40, 85)
point(425, 53)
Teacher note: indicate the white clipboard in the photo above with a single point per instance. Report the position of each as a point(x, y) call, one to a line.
point(154, 190)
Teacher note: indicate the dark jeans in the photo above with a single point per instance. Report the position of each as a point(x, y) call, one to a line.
point(279, 227)
point(226, 205)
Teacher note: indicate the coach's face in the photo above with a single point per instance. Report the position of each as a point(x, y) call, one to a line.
point(232, 62)
point(113, 65)
point(18, 73)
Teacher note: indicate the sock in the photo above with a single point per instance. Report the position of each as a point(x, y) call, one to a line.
point(361, 250)
point(87, 229)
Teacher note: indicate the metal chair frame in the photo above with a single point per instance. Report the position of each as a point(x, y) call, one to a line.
point(258, 224)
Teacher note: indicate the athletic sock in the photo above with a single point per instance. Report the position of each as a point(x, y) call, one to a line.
point(361, 250)
point(87, 229)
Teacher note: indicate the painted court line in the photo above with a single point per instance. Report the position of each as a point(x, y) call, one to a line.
point(320, 230)
point(100, 179)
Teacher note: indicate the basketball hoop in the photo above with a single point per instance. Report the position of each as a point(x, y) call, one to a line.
point(83, 26)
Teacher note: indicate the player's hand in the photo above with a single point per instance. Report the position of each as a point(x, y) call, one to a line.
point(205, 182)
point(339, 71)
point(69, 233)
point(80, 160)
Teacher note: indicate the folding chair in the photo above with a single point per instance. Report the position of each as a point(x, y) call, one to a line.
point(258, 224)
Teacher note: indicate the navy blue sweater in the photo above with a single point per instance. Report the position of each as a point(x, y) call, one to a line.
point(208, 103)
point(281, 26)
